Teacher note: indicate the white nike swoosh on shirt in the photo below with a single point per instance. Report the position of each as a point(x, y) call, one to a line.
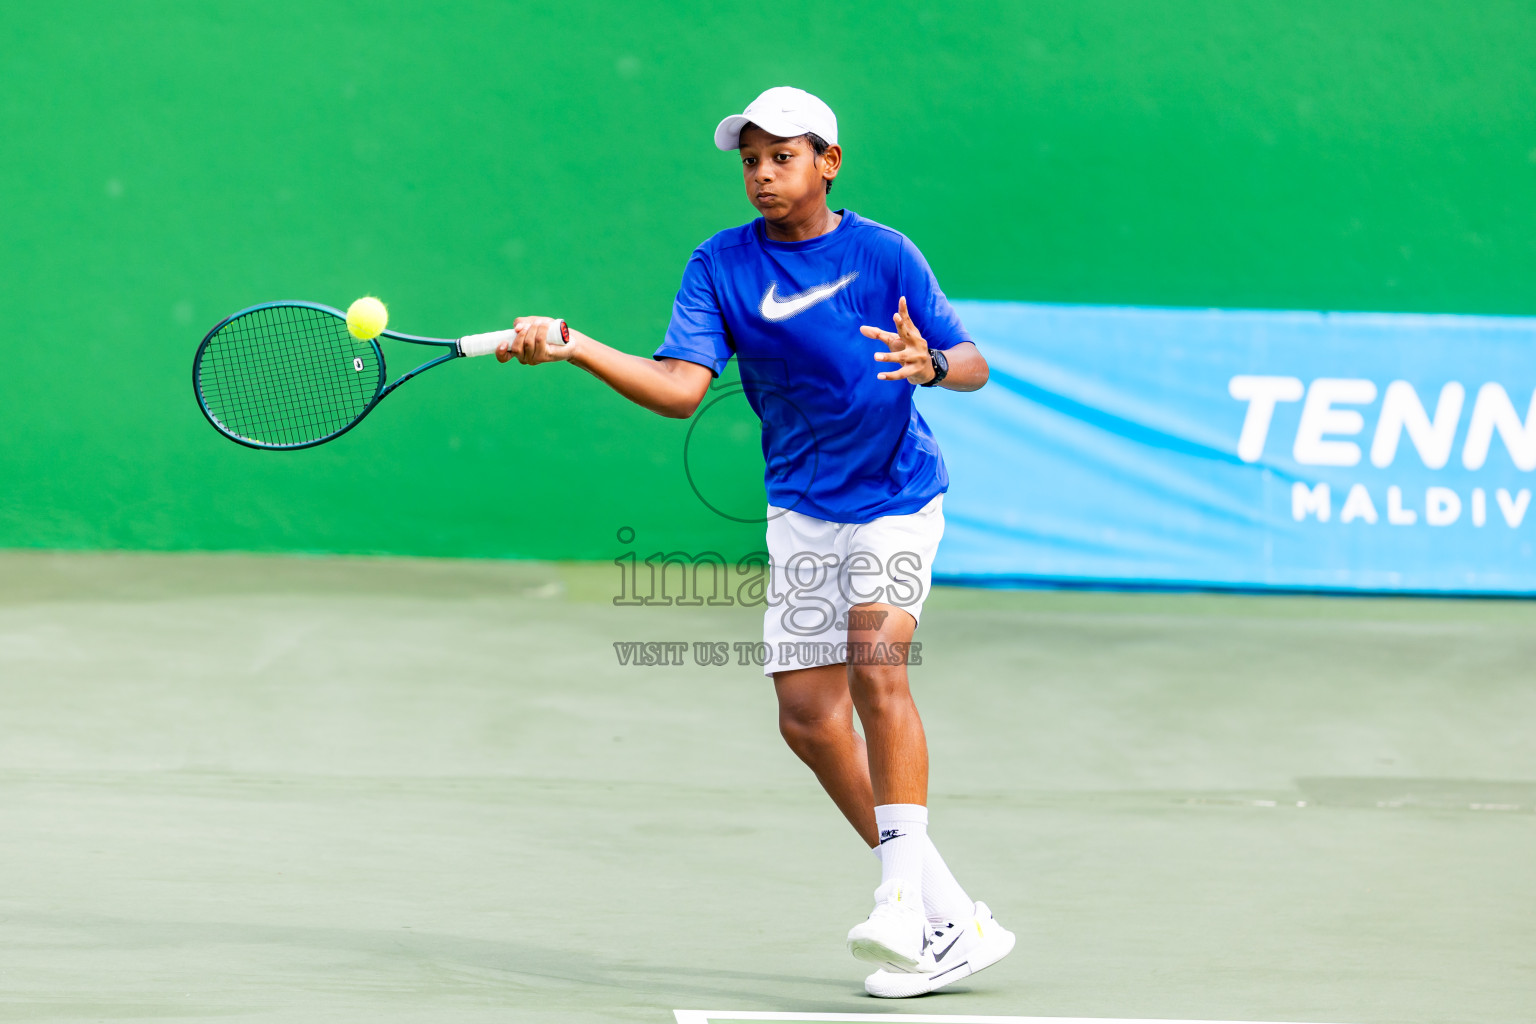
point(774, 309)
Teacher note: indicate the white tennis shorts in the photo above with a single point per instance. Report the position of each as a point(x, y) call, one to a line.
point(819, 570)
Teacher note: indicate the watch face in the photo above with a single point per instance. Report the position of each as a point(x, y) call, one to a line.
point(940, 367)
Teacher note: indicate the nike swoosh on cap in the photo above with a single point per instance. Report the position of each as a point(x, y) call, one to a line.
point(774, 309)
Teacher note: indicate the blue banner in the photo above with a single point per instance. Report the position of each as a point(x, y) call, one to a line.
point(1236, 449)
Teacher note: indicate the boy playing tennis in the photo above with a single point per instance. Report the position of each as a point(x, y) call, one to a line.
point(855, 488)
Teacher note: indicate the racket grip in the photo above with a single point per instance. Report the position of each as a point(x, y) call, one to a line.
point(485, 344)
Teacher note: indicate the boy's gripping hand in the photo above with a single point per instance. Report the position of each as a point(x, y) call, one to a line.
point(536, 340)
point(907, 348)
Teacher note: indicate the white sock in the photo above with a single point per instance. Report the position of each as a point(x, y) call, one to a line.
point(943, 899)
point(903, 846)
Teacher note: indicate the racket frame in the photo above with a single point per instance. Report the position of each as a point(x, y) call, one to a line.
point(381, 388)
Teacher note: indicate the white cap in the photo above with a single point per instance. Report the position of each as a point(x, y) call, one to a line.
point(783, 111)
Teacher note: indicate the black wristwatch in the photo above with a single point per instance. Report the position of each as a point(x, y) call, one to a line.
point(940, 367)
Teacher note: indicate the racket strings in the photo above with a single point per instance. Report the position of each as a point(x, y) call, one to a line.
point(287, 375)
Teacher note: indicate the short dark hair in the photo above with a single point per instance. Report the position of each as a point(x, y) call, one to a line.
point(819, 146)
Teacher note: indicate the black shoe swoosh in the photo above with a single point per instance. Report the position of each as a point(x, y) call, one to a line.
point(939, 957)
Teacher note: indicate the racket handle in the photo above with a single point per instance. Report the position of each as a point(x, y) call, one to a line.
point(485, 344)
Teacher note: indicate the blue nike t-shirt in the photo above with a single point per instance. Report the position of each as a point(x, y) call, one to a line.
point(841, 444)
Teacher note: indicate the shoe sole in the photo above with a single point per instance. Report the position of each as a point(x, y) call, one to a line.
point(878, 953)
point(904, 986)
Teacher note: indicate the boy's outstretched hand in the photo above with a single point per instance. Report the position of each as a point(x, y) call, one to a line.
point(907, 348)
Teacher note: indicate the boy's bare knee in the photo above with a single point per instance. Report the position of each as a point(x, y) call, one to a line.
point(876, 687)
point(809, 732)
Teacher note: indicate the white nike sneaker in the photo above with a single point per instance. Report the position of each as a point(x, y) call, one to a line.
point(953, 951)
point(893, 935)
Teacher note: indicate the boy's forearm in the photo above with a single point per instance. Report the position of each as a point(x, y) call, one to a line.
point(967, 368)
point(654, 385)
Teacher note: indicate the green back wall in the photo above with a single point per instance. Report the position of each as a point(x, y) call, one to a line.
point(166, 164)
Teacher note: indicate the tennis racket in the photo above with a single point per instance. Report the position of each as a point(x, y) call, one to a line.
point(287, 375)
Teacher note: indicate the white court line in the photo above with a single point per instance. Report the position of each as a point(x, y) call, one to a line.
point(706, 1016)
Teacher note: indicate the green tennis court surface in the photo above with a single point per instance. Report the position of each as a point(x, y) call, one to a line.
point(342, 790)
point(742, 1017)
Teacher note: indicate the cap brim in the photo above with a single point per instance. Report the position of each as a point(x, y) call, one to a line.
point(728, 132)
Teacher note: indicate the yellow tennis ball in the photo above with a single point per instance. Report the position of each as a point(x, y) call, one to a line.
point(366, 318)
